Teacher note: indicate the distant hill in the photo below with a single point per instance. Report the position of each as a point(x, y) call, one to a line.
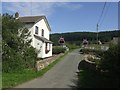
point(77, 37)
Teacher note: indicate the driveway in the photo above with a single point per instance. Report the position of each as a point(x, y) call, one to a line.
point(62, 75)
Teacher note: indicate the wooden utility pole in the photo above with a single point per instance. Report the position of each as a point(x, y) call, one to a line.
point(97, 32)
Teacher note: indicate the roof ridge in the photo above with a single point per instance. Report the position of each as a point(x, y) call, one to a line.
point(32, 16)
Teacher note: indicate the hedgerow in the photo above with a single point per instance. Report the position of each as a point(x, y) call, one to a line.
point(58, 50)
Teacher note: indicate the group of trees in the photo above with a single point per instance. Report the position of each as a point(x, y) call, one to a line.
point(17, 53)
point(77, 37)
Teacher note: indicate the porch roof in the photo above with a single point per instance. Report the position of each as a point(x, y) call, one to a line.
point(43, 39)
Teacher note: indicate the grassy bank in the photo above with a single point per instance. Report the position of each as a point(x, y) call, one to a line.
point(12, 79)
point(92, 79)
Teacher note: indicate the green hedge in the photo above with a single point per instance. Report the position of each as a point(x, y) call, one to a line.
point(58, 50)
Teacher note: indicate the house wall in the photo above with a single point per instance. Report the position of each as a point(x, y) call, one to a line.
point(30, 27)
point(39, 45)
point(42, 25)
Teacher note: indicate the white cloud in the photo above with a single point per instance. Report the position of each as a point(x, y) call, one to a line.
point(38, 8)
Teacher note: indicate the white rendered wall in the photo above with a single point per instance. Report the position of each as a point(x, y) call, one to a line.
point(38, 44)
point(42, 25)
point(39, 47)
point(30, 27)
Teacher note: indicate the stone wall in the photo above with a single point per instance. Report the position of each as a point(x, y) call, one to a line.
point(41, 64)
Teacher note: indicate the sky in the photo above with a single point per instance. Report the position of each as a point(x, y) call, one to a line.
point(69, 16)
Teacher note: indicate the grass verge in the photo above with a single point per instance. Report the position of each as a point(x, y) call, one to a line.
point(10, 80)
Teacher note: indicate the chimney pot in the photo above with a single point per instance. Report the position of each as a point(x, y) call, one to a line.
point(16, 15)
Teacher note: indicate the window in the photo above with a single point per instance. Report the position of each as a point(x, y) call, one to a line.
point(42, 32)
point(49, 46)
point(46, 48)
point(36, 29)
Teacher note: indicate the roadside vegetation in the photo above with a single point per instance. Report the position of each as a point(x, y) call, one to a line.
point(58, 49)
point(105, 74)
point(17, 53)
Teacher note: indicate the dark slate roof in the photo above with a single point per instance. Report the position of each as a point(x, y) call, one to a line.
point(34, 19)
point(42, 39)
point(30, 19)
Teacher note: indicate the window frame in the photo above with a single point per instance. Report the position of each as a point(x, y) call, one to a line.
point(42, 33)
point(47, 49)
point(36, 29)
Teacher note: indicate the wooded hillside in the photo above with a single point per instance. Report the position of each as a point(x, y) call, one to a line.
point(77, 37)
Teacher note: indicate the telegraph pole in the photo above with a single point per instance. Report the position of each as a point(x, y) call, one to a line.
point(97, 32)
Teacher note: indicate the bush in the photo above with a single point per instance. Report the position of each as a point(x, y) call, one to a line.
point(12, 61)
point(110, 60)
point(107, 74)
point(58, 50)
point(17, 53)
point(92, 51)
point(30, 58)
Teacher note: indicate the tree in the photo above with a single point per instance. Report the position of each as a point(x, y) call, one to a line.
point(17, 52)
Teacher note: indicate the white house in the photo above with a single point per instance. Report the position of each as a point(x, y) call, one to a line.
point(40, 29)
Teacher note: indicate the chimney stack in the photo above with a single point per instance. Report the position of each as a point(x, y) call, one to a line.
point(16, 15)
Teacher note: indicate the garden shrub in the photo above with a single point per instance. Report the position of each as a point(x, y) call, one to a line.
point(110, 60)
point(58, 49)
point(92, 51)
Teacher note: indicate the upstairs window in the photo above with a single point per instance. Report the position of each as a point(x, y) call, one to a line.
point(36, 29)
point(42, 32)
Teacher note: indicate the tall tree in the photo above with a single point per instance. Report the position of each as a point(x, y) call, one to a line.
point(17, 53)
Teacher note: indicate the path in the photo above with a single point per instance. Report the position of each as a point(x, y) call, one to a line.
point(62, 75)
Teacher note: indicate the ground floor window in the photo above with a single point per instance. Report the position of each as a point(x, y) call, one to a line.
point(47, 47)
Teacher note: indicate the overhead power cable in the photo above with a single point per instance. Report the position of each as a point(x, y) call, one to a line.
point(101, 13)
point(107, 8)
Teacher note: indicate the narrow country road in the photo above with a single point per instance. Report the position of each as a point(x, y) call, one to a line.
point(62, 75)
